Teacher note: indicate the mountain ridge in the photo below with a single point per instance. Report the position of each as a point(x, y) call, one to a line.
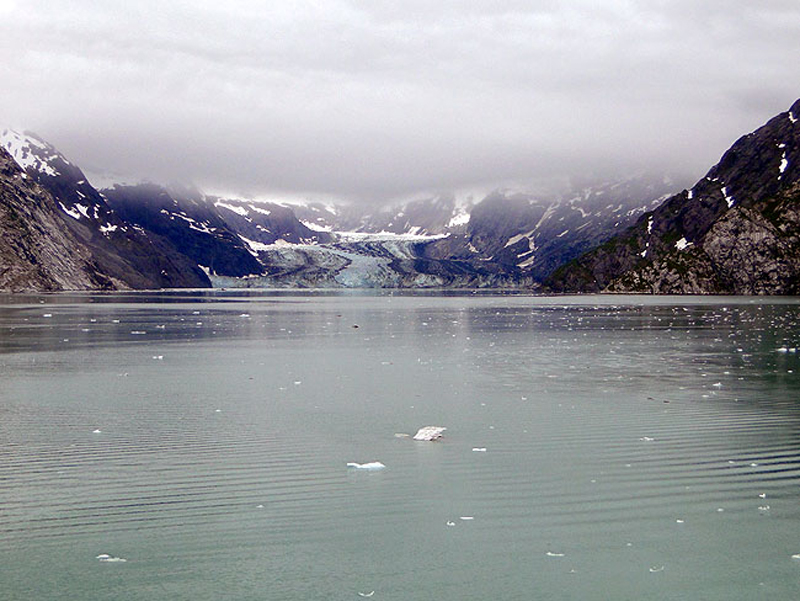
point(735, 231)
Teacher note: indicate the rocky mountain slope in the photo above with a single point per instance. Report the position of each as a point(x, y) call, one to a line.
point(37, 251)
point(128, 256)
point(737, 231)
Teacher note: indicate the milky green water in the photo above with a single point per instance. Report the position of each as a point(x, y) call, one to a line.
point(636, 448)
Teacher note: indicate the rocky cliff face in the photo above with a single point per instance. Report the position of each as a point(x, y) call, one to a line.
point(37, 251)
point(735, 232)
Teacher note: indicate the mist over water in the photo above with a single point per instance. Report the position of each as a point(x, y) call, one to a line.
point(635, 447)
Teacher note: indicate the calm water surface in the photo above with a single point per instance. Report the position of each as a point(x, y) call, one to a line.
point(636, 448)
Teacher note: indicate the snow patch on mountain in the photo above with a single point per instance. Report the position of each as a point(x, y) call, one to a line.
point(30, 152)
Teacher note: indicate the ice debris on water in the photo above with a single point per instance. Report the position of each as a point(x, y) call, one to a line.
point(110, 558)
point(429, 433)
point(370, 466)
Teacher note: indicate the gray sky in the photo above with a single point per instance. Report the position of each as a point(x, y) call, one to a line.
point(374, 100)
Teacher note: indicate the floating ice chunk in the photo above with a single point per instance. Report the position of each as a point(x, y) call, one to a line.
point(110, 558)
point(429, 433)
point(371, 466)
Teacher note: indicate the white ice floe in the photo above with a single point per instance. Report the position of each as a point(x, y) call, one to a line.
point(371, 466)
point(110, 558)
point(429, 433)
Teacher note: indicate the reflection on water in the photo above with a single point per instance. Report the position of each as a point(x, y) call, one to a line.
point(635, 447)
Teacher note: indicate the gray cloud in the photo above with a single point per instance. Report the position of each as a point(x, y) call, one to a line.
point(372, 99)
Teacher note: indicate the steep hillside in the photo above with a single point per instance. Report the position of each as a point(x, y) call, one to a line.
point(735, 232)
point(189, 222)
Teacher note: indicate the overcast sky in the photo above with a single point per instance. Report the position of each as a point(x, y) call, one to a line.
point(379, 99)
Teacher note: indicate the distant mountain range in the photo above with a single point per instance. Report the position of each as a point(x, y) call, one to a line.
point(736, 231)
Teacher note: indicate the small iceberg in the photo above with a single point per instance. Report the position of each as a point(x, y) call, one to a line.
point(429, 433)
point(371, 466)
